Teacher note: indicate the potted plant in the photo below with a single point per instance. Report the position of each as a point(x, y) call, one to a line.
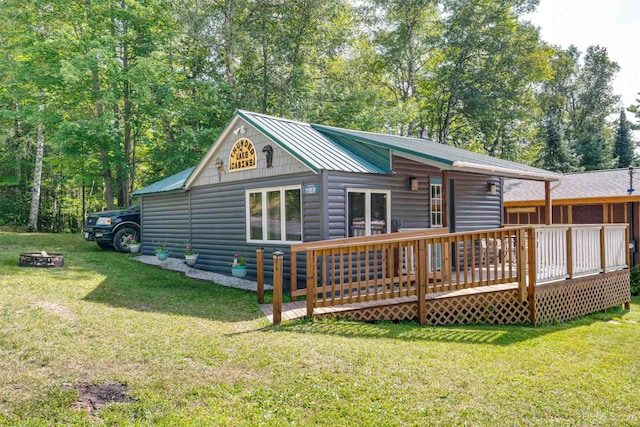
point(161, 250)
point(134, 246)
point(239, 265)
point(190, 257)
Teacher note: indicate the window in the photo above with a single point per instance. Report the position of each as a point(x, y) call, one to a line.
point(368, 212)
point(274, 215)
point(435, 202)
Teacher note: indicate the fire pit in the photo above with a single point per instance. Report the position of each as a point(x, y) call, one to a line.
point(41, 259)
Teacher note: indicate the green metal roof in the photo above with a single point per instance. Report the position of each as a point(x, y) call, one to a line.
point(314, 149)
point(172, 183)
point(443, 156)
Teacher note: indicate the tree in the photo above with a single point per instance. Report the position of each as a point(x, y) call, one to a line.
point(481, 91)
point(623, 148)
point(589, 108)
point(554, 98)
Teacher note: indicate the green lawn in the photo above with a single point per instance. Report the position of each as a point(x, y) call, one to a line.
point(194, 353)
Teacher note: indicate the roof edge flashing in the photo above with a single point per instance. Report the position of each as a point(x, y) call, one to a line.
point(506, 172)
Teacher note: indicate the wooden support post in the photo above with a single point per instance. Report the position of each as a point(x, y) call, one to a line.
point(277, 287)
point(531, 266)
point(547, 203)
point(260, 274)
point(445, 200)
point(603, 258)
point(422, 265)
point(311, 267)
point(521, 258)
point(627, 252)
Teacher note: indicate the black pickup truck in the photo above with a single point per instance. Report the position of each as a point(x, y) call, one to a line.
point(115, 229)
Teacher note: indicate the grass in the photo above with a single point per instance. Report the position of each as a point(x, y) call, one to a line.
point(194, 353)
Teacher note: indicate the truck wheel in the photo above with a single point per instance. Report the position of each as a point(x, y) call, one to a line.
point(123, 237)
point(104, 245)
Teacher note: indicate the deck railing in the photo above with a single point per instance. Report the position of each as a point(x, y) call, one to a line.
point(417, 263)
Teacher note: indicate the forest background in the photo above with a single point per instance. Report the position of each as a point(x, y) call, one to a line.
point(99, 98)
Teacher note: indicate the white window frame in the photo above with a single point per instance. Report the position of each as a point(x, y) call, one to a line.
point(283, 214)
point(367, 208)
point(431, 204)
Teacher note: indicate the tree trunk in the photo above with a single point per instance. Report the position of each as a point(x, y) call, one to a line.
point(104, 154)
point(37, 175)
point(228, 42)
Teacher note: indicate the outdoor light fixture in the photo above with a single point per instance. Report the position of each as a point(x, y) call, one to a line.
point(241, 130)
point(493, 188)
point(413, 183)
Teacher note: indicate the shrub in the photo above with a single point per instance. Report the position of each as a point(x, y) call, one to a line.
point(635, 280)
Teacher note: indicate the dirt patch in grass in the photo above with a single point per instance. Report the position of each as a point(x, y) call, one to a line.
point(95, 396)
point(55, 309)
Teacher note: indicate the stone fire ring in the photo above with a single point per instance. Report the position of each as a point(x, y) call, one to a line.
point(41, 260)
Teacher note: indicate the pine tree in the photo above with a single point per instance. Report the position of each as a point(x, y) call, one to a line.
point(623, 146)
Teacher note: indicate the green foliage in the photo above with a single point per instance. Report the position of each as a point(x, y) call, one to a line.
point(136, 91)
point(635, 280)
point(623, 149)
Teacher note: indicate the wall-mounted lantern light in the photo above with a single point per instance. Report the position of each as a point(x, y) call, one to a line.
point(493, 188)
point(413, 183)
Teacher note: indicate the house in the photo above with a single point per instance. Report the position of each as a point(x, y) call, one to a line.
point(595, 197)
point(272, 182)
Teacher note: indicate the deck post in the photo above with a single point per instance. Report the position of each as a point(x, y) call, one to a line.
point(260, 274)
point(311, 267)
point(521, 258)
point(627, 257)
point(531, 266)
point(421, 278)
point(548, 207)
point(277, 287)
point(570, 252)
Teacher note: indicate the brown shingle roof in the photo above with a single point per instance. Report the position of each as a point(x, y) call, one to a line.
point(594, 184)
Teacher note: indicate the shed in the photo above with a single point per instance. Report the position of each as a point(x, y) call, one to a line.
point(272, 182)
point(594, 197)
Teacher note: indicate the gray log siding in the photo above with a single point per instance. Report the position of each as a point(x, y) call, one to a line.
point(218, 223)
point(475, 208)
point(165, 218)
point(213, 216)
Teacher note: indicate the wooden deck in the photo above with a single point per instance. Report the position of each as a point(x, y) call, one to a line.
point(298, 309)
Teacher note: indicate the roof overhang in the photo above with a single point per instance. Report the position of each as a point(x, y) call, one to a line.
point(468, 167)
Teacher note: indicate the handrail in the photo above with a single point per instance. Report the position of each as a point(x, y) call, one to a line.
point(414, 264)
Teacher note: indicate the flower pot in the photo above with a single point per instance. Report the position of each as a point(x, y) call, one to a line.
point(162, 255)
point(191, 260)
point(239, 270)
point(134, 248)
